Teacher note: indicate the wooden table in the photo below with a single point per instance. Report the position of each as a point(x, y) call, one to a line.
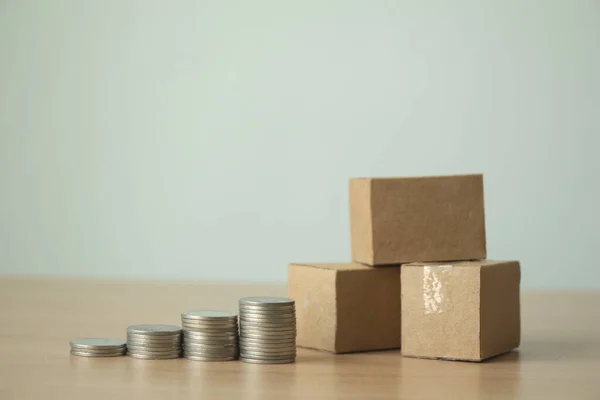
point(559, 357)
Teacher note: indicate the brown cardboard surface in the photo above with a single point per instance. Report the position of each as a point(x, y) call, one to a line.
point(346, 307)
point(398, 220)
point(461, 311)
point(316, 308)
point(500, 306)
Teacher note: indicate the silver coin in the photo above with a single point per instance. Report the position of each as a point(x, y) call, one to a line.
point(266, 308)
point(280, 337)
point(155, 339)
point(211, 346)
point(231, 320)
point(282, 346)
point(216, 340)
point(267, 352)
point(259, 361)
point(199, 350)
point(215, 332)
point(209, 315)
point(272, 326)
point(260, 354)
point(153, 357)
point(154, 329)
point(229, 354)
point(267, 331)
point(253, 333)
point(153, 348)
point(266, 301)
point(268, 318)
point(291, 313)
point(209, 330)
point(100, 351)
point(197, 358)
point(97, 354)
point(262, 358)
point(97, 343)
point(251, 353)
point(224, 353)
point(209, 335)
point(267, 339)
point(216, 324)
point(143, 343)
point(154, 351)
point(225, 340)
point(152, 338)
point(246, 312)
point(263, 342)
point(268, 327)
point(220, 325)
point(200, 357)
point(210, 324)
point(202, 347)
point(210, 342)
point(209, 359)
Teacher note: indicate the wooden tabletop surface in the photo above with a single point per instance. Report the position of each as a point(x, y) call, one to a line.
point(559, 357)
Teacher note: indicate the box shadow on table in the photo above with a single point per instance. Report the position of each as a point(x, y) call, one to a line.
point(560, 349)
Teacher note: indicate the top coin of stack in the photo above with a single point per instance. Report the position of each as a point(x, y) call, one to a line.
point(98, 347)
point(210, 335)
point(154, 342)
point(267, 330)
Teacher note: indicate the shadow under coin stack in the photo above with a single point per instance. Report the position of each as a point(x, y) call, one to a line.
point(154, 342)
point(210, 335)
point(267, 330)
point(98, 347)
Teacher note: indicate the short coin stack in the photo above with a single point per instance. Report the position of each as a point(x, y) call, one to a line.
point(97, 347)
point(154, 342)
point(210, 335)
point(267, 330)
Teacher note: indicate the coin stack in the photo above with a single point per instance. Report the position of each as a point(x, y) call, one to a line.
point(154, 342)
point(210, 335)
point(96, 347)
point(267, 330)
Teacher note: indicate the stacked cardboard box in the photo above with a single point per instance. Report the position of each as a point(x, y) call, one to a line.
point(419, 279)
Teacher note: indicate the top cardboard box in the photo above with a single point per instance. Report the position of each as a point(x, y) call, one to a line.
point(399, 220)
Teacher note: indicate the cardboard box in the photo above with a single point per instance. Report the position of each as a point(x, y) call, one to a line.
point(461, 311)
point(346, 307)
point(398, 220)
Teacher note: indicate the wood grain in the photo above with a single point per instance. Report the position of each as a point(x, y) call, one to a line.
point(559, 357)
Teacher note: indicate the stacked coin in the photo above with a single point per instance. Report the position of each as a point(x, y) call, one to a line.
point(210, 335)
point(267, 330)
point(154, 342)
point(96, 347)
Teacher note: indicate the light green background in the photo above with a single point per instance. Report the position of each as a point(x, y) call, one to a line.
point(214, 139)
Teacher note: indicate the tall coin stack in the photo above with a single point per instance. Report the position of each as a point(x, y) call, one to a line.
point(210, 335)
point(154, 342)
point(267, 330)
